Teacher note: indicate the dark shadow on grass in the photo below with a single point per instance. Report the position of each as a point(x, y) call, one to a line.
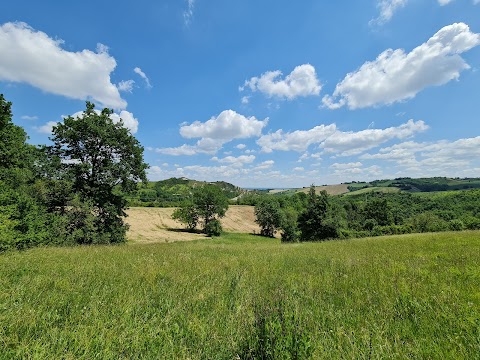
point(189, 231)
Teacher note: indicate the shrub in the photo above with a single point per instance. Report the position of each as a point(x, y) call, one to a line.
point(213, 228)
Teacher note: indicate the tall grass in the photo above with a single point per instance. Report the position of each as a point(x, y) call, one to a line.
point(241, 296)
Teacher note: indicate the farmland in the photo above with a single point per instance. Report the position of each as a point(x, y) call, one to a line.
point(152, 225)
point(243, 296)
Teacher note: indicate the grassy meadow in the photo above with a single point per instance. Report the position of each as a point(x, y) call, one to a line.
point(244, 297)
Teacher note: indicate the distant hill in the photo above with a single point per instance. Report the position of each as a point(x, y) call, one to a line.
point(420, 184)
point(400, 184)
point(175, 191)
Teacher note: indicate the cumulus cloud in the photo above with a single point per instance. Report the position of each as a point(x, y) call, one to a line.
point(395, 75)
point(129, 121)
point(46, 128)
point(444, 2)
point(302, 81)
point(332, 140)
point(340, 166)
point(245, 100)
point(139, 71)
point(241, 146)
point(126, 86)
point(387, 9)
point(216, 132)
point(236, 161)
point(264, 165)
point(32, 57)
point(298, 140)
point(352, 143)
point(443, 153)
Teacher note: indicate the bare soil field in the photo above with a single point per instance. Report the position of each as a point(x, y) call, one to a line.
point(153, 225)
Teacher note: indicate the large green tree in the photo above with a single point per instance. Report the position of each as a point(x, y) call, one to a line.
point(104, 161)
point(207, 206)
point(315, 223)
point(268, 216)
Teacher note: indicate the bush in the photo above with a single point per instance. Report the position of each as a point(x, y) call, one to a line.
point(213, 228)
point(456, 225)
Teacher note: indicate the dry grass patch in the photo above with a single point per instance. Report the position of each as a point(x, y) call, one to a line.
point(155, 225)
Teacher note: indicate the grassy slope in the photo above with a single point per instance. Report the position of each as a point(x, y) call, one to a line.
point(414, 296)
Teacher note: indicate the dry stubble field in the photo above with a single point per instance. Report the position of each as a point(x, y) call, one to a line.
point(153, 225)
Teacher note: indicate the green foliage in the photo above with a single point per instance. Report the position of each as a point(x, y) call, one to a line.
point(268, 216)
point(313, 222)
point(379, 210)
point(289, 226)
point(187, 215)
point(101, 157)
point(213, 228)
point(13, 147)
point(208, 204)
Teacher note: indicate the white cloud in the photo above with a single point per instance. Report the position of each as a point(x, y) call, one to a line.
point(236, 161)
point(298, 140)
point(227, 126)
point(353, 143)
point(27, 117)
point(129, 121)
point(245, 100)
point(185, 149)
point(139, 71)
point(302, 81)
point(46, 128)
point(188, 13)
point(444, 2)
point(32, 57)
point(216, 132)
point(264, 165)
point(332, 140)
point(443, 153)
point(340, 166)
point(126, 86)
point(387, 9)
point(395, 75)
point(241, 146)
point(298, 169)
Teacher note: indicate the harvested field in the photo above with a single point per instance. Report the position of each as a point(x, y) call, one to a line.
point(154, 225)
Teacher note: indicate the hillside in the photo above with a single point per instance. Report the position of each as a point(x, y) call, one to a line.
point(154, 225)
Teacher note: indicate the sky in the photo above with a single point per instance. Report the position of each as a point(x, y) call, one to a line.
point(266, 93)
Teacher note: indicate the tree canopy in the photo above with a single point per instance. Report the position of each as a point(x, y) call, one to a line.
point(103, 160)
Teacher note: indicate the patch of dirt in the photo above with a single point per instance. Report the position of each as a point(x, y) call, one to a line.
point(153, 225)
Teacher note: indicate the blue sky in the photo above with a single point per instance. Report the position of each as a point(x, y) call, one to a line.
point(259, 93)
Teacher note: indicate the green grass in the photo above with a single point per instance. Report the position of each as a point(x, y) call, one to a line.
point(241, 296)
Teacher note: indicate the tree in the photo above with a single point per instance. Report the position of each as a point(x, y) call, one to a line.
point(14, 151)
point(208, 204)
point(104, 161)
point(378, 210)
point(269, 216)
point(313, 222)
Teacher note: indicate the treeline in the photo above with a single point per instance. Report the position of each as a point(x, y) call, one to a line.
point(175, 192)
point(316, 217)
point(72, 192)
